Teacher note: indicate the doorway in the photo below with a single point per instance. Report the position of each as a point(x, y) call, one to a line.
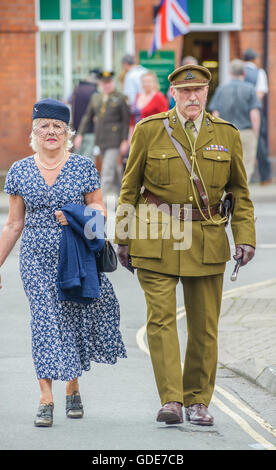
point(204, 46)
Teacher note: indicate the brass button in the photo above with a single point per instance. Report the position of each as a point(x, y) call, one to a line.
point(218, 157)
point(191, 198)
point(147, 220)
point(164, 155)
point(191, 157)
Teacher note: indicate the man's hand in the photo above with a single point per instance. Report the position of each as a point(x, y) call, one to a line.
point(245, 252)
point(124, 147)
point(124, 258)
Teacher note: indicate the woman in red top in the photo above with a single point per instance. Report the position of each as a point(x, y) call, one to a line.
point(150, 100)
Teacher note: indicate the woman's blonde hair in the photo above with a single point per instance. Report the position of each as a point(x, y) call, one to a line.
point(68, 143)
point(152, 74)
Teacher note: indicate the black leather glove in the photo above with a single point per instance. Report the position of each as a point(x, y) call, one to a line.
point(124, 258)
point(245, 252)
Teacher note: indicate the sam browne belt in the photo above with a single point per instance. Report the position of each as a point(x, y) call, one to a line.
point(185, 213)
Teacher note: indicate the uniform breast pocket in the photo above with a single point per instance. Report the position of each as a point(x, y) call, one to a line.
point(161, 165)
point(218, 170)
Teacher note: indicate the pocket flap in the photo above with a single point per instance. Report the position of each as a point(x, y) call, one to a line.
point(163, 153)
point(216, 155)
point(149, 224)
point(216, 247)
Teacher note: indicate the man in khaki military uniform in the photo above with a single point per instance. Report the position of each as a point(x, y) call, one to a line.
point(156, 183)
point(111, 115)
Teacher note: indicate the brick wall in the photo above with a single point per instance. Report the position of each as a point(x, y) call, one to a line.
point(17, 78)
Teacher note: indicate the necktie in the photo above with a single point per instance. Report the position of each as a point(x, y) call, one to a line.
point(188, 127)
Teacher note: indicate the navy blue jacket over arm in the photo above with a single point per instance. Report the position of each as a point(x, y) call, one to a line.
point(81, 242)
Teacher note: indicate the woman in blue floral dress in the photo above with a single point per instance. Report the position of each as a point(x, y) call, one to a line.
point(66, 336)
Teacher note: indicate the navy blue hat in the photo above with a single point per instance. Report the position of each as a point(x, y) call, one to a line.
point(51, 109)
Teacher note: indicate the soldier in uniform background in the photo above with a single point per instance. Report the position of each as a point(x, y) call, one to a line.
point(156, 179)
point(111, 116)
point(80, 98)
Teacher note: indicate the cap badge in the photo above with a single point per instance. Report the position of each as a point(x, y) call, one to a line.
point(189, 75)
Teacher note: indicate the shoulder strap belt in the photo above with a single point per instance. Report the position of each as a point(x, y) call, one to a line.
point(186, 162)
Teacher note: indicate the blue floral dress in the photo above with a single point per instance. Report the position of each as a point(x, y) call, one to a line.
point(66, 336)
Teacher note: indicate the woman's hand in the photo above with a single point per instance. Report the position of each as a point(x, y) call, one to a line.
point(61, 217)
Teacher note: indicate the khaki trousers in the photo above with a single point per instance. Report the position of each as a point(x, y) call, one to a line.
point(111, 172)
point(202, 299)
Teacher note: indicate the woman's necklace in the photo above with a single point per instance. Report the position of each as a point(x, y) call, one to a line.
point(52, 167)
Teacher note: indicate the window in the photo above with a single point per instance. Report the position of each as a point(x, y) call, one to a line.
point(78, 35)
point(87, 53)
point(119, 48)
point(215, 15)
point(49, 9)
point(86, 10)
point(222, 11)
point(52, 78)
point(117, 9)
point(195, 8)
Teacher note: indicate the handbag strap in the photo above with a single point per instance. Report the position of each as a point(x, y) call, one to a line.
point(186, 162)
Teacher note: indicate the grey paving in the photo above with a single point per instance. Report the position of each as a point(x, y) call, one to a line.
point(247, 333)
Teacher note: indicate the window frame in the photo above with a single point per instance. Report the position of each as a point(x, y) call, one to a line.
point(65, 25)
point(208, 24)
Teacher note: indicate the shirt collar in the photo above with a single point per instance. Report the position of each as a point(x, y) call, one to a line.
point(250, 64)
point(197, 122)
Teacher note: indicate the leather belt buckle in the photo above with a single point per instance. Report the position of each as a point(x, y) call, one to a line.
point(183, 213)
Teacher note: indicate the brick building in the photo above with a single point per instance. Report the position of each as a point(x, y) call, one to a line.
point(46, 46)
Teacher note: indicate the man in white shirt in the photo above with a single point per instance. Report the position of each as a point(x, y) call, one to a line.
point(133, 76)
point(258, 77)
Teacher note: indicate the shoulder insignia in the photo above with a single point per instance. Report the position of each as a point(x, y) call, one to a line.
point(218, 120)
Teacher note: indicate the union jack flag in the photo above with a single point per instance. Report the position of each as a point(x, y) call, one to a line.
point(172, 19)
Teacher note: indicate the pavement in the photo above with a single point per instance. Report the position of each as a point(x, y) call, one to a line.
point(247, 328)
point(247, 333)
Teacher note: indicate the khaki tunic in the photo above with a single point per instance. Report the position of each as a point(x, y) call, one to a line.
point(111, 118)
point(155, 164)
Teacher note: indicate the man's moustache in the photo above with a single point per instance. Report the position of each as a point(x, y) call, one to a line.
point(192, 103)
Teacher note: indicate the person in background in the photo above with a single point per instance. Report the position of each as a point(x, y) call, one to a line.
point(237, 103)
point(258, 78)
point(111, 114)
point(189, 59)
point(80, 99)
point(133, 78)
point(150, 100)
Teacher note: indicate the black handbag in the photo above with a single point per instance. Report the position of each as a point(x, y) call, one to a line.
point(107, 259)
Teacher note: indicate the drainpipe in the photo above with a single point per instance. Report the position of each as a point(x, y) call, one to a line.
point(265, 62)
